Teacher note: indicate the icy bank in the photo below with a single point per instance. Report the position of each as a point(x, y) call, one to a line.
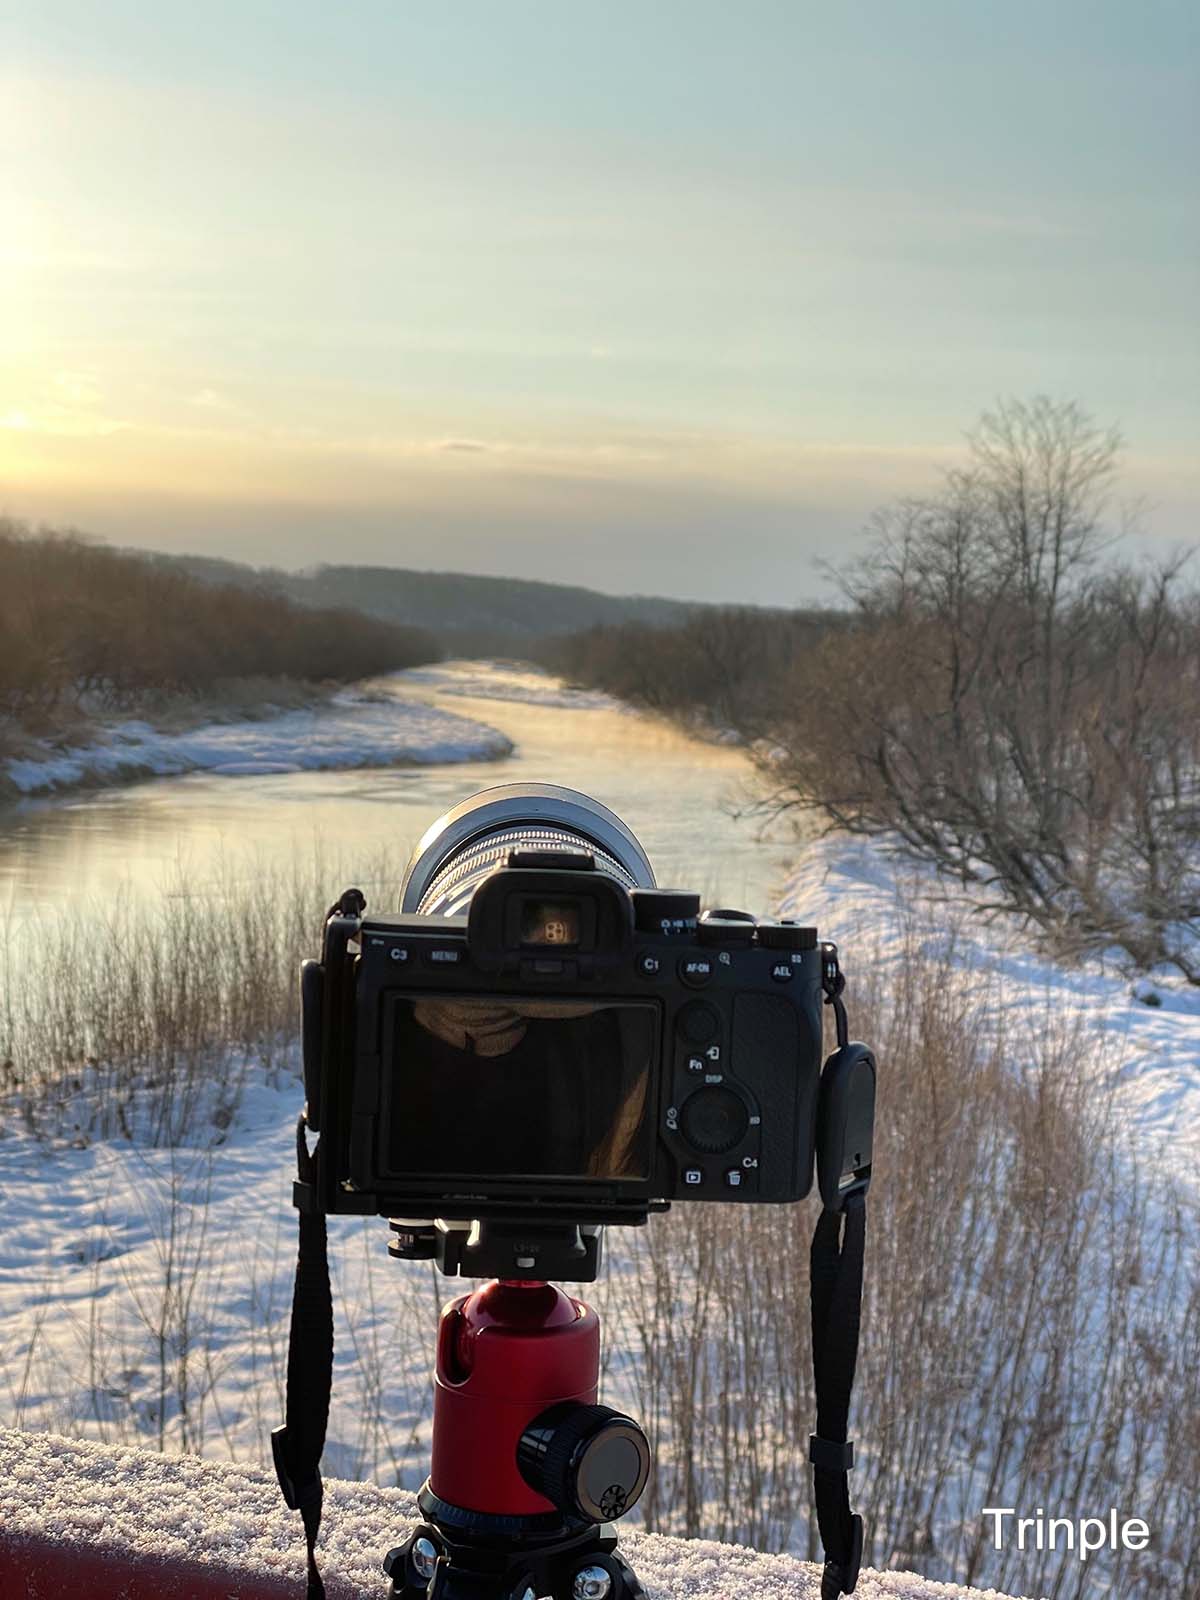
point(1143, 1035)
point(510, 680)
point(363, 727)
point(61, 1496)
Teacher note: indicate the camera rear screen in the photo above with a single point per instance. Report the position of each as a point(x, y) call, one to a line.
point(519, 1088)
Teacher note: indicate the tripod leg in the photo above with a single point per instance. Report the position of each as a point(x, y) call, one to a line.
point(451, 1581)
point(454, 1583)
point(605, 1577)
point(630, 1586)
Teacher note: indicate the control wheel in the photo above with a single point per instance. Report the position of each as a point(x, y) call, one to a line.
point(714, 1119)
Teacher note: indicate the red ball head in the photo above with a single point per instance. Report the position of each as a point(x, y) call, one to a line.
point(504, 1354)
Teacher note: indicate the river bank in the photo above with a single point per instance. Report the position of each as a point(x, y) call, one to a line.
point(368, 725)
point(1139, 1035)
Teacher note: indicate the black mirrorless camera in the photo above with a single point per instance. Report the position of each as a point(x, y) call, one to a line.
point(542, 1036)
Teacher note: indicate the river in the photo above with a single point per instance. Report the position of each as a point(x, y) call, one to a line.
point(681, 797)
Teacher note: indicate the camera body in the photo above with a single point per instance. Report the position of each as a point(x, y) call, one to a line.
point(569, 1050)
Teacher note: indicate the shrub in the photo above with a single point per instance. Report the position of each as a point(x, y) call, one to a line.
point(83, 623)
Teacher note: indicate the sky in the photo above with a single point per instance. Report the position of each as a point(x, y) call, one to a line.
point(658, 298)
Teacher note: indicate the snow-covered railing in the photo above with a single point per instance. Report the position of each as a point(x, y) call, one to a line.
point(81, 1519)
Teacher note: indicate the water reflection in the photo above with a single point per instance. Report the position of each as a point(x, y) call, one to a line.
point(675, 793)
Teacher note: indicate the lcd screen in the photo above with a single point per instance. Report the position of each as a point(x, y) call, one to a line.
point(516, 1088)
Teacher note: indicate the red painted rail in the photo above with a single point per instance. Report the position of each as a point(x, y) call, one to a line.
point(33, 1569)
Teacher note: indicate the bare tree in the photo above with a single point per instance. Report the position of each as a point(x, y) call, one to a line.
point(1008, 706)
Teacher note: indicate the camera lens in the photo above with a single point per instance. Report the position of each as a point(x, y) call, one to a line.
point(472, 839)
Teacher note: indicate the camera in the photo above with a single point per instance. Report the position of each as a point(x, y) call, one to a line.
point(540, 1031)
point(538, 1043)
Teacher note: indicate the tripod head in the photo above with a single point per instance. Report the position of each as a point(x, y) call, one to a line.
point(517, 1248)
point(513, 1251)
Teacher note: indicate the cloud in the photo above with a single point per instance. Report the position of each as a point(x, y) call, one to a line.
point(213, 400)
point(77, 388)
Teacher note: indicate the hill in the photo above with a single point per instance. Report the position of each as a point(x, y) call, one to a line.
point(471, 613)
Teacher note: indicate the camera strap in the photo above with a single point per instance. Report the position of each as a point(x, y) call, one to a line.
point(845, 1124)
point(298, 1444)
point(836, 1275)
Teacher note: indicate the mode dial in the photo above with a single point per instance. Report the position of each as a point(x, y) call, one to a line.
point(589, 1461)
point(665, 911)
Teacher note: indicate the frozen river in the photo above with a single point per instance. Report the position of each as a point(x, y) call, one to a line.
point(679, 795)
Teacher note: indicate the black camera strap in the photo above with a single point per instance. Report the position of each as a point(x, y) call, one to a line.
point(836, 1274)
point(298, 1444)
point(844, 1152)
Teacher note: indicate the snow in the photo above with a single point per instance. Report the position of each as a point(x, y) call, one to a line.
point(873, 902)
point(102, 1242)
point(179, 1507)
point(369, 726)
point(510, 680)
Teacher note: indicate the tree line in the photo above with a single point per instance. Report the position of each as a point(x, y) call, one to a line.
point(718, 667)
point(1002, 697)
point(86, 626)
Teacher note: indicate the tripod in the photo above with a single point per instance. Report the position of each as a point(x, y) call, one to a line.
point(528, 1472)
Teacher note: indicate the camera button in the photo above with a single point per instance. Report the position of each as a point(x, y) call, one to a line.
point(733, 1178)
point(444, 956)
point(698, 1023)
point(542, 967)
point(695, 971)
point(693, 1176)
point(783, 972)
point(649, 965)
point(696, 1064)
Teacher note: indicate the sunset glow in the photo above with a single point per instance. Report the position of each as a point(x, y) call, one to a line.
point(586, 292)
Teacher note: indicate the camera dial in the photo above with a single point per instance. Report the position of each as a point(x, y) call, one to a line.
point(714, 1119)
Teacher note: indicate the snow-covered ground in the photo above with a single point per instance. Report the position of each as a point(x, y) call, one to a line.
point(144, 1293)
point(368, 726)
point(86, 1497)
point(872, 903)
point(104, 1246)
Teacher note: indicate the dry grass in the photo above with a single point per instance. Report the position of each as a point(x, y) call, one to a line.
point(134, 1018)
point(1032, 1325)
